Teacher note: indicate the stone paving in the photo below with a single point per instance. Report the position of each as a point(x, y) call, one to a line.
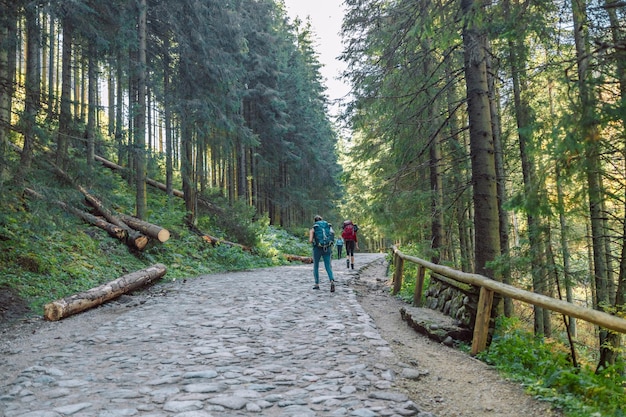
point(252, 343)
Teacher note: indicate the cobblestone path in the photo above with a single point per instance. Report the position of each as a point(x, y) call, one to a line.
point(252, 343)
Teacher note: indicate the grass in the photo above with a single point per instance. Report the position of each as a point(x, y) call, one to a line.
point(546, 372)
point(47, 254)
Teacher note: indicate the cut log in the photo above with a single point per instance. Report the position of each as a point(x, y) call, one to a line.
point(216, 241)
point(113, 230)
point(303, 259)
point(94, 297)
point(134, 238)
point(152, 230)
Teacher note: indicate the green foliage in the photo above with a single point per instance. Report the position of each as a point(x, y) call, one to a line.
point(274, 242)
point(410, 272)
point(48, 254)
point(546, 372)
point(236, 222)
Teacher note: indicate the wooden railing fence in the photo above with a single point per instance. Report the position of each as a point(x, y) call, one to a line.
point(488, 287)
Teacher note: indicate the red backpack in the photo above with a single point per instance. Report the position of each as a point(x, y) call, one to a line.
point(349, 232)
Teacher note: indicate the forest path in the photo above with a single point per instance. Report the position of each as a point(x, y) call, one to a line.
point(259, 342)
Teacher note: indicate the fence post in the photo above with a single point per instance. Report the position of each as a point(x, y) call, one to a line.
point(419, 286)
point(397, 275)
point(483, 316)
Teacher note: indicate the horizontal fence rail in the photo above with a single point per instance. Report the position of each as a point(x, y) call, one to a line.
point(487, 289)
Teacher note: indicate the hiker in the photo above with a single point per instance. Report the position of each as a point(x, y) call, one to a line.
point(339, 244)
point(350, 241)
point(322, 237)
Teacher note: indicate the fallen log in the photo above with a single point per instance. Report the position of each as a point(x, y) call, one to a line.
point(152, 230)
point(216, 241)
point(94, 297)
point(134, 238)
point(159, 185)
point(113, 230)
point(303, 259)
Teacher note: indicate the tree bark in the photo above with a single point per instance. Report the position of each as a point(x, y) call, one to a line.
point(113, 230)
point(614, 340)
point(152, 230)
point(92, 80)
point(94, 297)
point(33, 91)
point(590, 136)
point(65, 114)
point(486, 220)
point(140, 117)
point(8, 38)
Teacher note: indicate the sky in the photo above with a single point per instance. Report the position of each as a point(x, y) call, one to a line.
point(326, 17)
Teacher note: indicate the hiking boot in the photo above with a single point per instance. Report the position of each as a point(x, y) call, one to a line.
point(347, 263)
point(352, 266)
point(332, 286)
point(316, 287)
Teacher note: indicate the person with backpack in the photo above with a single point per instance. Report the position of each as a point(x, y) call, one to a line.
point(339, 244)
point(322, 237)
point(350, 241)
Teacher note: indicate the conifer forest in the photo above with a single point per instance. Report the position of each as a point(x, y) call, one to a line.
point(488, 135)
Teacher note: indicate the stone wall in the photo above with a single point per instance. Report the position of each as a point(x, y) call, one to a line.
point(453, 299)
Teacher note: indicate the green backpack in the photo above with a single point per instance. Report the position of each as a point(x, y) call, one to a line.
point(323, 234)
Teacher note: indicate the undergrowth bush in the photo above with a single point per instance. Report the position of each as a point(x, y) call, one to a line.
point(545, 370)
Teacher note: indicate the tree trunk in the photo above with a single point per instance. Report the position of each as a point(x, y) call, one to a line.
point(134, 237)
point(590, 136)
point(140, 115)
point(508, 309)
point(569, 285)
point(187, 169)
point(92, 104)
point(517, 55)
point(52, 63)
point(614, 340)
point(111, 96)
point(8, 38)
point(167, 114)
point(119, 107)
point(65, 115)
point(33, 90)
point(94, 297)
point(215, 240)
point(486, 220)
point(434, 150)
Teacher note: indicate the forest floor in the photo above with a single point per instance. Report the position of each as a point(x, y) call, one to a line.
point(452, 383)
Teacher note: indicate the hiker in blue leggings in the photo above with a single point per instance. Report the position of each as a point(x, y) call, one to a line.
point(321, 236)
